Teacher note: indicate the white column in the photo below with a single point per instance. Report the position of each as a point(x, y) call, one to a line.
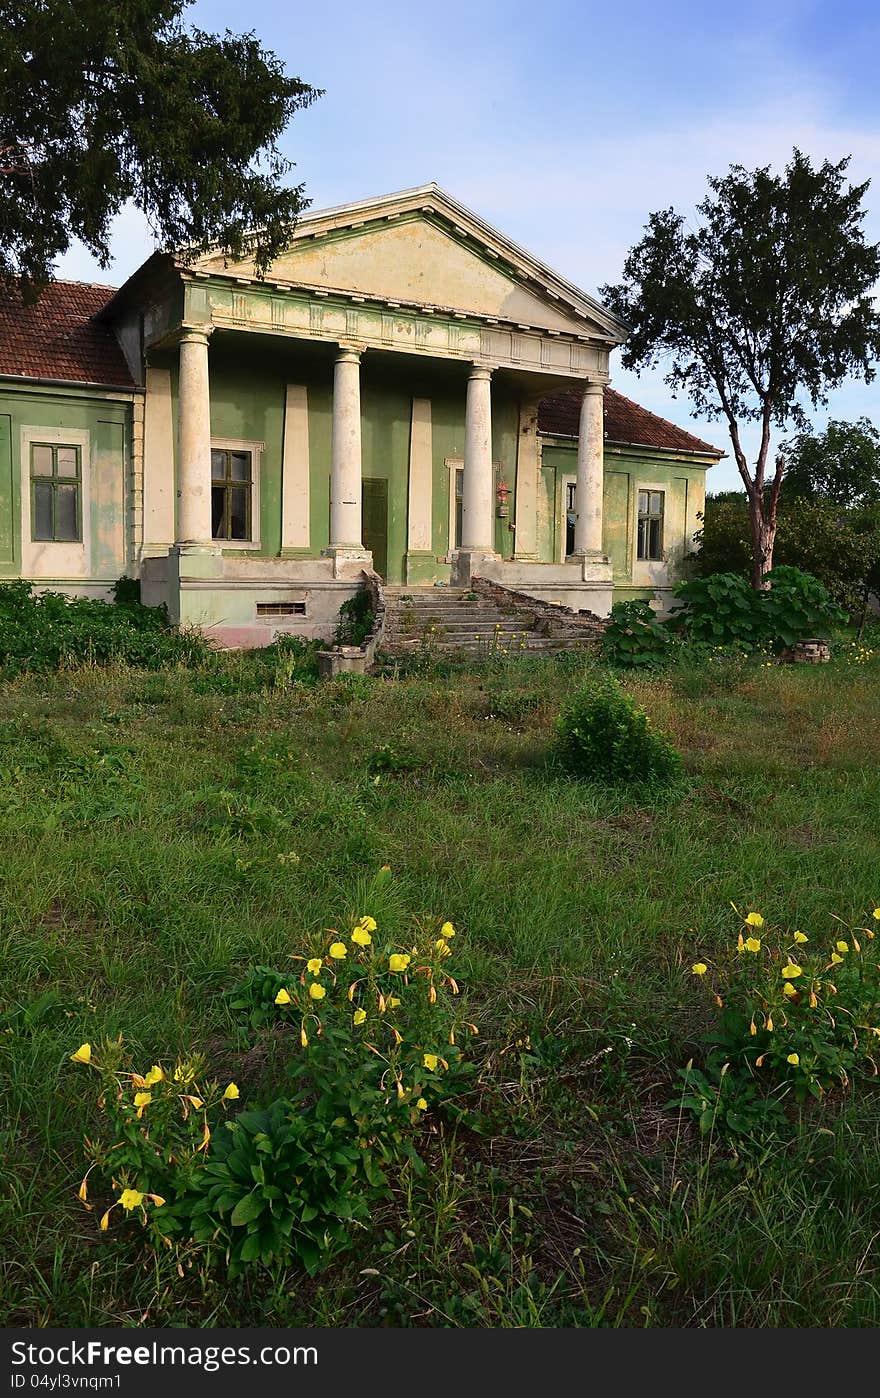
point(528, 473)
point(590, 473)
point(345, 468)
point(477, 515)
point(194, 443)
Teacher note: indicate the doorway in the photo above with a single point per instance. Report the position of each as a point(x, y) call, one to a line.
point(375, 521)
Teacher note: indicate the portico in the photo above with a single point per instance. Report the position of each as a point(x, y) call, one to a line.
point(405, 389)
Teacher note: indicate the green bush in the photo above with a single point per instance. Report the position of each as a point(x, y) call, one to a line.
point(355, 620)
point(725, 610)
point(601, 733)
point(52, 632)
point(634, 638)
point(722, 610)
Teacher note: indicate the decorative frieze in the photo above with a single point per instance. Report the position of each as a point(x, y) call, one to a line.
point(304, 315)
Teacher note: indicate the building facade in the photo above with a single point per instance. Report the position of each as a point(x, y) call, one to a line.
point(405, 390)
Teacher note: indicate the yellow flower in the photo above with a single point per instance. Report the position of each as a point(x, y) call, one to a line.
point(369, 923)
point(876, 914)
point(130, 1199)
point(155, 1075)
point(788, 989)
point(422, 1104)
point(392, 1002)
point(399, 961)
point(143, 1099)
point(842, 947)
point(800, 938)
point(430, 1061)
point(793, 1059)
point(361, 937)
point(314, 965)
point(754, 920)
point(338, 950)
point(752, 944)
point(835, 959)
point(447, 930)
point(791, 973)
point(443, 947)
point(317, 992)
point(231, 1093)
point(699, 968)
point(82, 1055)
point(283, 997)
point(360, 1016)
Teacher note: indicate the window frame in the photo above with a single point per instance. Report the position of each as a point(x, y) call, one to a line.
point(255, 449)
point(54, 479)
point(648, 517)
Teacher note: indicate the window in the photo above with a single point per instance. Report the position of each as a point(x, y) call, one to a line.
point(650, 537)
point(458, 475)
point(570, 516)
point(231, 493)
point(56, 488)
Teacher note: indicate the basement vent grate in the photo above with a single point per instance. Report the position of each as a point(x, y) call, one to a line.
point(272, 609)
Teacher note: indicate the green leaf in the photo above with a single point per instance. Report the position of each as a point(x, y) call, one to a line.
point(247, 1209)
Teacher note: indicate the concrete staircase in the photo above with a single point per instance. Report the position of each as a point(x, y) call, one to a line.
point(457, 621)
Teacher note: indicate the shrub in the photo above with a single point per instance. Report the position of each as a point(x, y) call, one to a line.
point(800, 1010)
point(725, 610)
point(634, 638)
point(601, 733)
point(50, 632)
point(797, 605)
point(722, 610)
point(374, 1044)
point(355, 620)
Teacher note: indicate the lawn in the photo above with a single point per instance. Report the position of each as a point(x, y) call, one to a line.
point(162, 833)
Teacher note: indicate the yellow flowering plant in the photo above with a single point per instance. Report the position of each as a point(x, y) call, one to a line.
point(375, 1030)
point(159, 1127)
point(798, 1008)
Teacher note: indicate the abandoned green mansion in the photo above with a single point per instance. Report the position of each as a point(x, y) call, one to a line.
point(406, 390)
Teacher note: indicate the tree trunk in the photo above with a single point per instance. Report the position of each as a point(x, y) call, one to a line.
point(763, 539)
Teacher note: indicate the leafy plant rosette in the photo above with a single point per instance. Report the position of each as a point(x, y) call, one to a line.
point(159, 1132)
point(800, 1009)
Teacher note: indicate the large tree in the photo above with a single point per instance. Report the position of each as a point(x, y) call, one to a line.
point(841, 464)
point(761, 307)
point(108, 101)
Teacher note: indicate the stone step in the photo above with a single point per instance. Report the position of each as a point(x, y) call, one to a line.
point(533, 644)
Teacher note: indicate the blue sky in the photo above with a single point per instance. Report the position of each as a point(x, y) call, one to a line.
point(566, 124)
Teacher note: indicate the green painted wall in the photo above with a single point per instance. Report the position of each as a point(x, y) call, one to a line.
point(108, 423)
point(626, 472)
point(248, 376)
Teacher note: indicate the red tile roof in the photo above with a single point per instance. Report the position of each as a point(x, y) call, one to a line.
point(59, 337)
point(626, 424)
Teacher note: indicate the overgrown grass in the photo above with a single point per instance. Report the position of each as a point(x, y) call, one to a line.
point(147, 824)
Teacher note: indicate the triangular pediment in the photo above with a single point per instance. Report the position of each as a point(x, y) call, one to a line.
point(424, 250)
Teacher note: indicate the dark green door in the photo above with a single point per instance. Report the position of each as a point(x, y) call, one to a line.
point(375, 521)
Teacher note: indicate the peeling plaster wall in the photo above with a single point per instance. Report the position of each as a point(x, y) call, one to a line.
point(102, 427)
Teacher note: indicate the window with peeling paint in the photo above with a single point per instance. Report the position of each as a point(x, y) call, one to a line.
point(231, 493)
point(649, 544)
point(56, 493)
